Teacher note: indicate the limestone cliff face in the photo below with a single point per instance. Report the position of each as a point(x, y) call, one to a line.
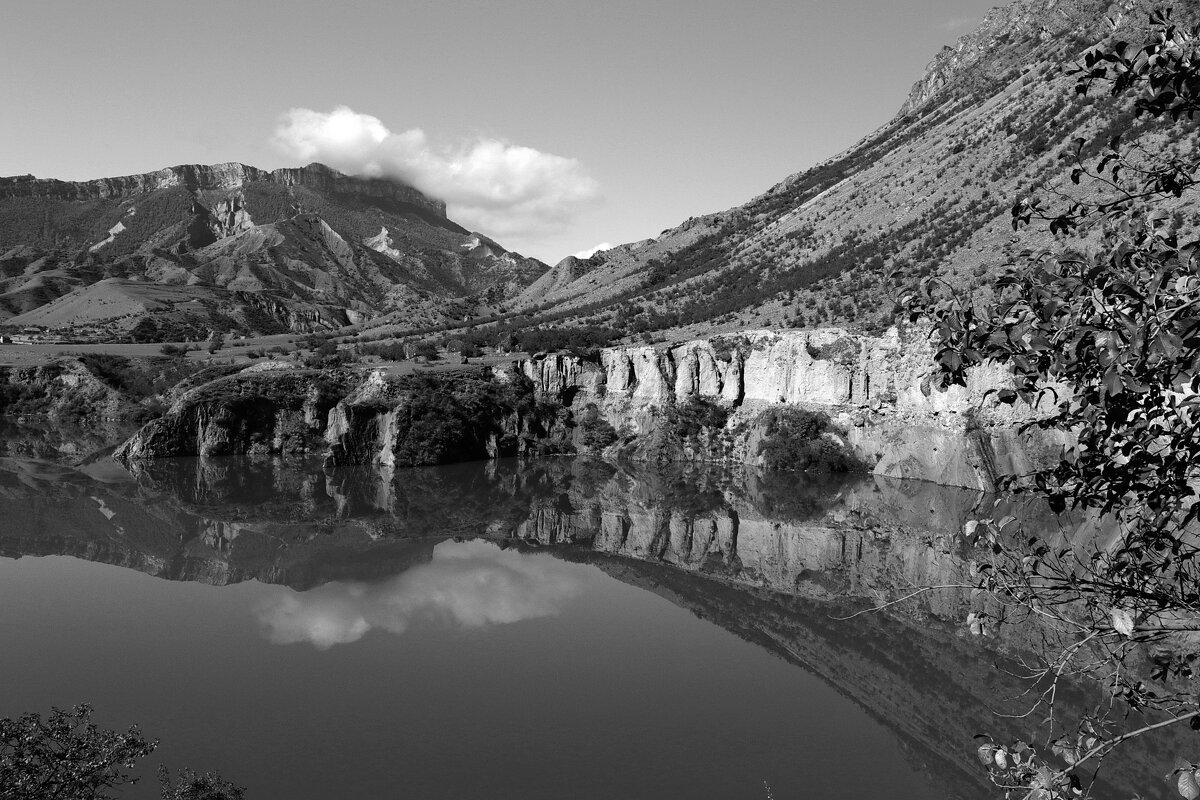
point(226, 176)
point(876, 389)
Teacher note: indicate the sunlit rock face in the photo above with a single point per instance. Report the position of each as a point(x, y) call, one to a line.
point(876, 390)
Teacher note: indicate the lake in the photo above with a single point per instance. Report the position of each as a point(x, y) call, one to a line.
point(545, 629)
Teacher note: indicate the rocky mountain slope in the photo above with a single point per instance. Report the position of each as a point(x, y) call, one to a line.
point(993, 118)
point(241, 249)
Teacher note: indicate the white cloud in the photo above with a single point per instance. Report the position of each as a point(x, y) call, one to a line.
point(470, 584)
point(592, 251)
point(495, 187)
point(955, 23)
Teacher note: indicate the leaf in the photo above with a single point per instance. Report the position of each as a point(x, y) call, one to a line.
point(1187, 784)
point(1122, 621)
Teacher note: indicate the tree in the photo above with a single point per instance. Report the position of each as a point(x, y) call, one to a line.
point(190, 785)
point(1106, 343)
point(66, 756)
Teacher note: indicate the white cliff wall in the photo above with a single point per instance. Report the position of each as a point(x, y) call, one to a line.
point(876, 389)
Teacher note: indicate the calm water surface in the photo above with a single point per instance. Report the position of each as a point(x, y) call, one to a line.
point(549, 630)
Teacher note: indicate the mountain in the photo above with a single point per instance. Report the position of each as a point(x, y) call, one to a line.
point(173, 253)
point(929, 193)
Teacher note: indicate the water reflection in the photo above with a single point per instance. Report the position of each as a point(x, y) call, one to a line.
point(774, 559)
point(470, 584)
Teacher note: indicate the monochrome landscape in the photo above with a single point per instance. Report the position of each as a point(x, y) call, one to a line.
point(328, 476)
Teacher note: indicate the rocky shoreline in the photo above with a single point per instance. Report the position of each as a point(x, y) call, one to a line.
point(874, 391)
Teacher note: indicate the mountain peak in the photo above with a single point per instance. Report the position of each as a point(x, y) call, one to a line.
point(1005, 41)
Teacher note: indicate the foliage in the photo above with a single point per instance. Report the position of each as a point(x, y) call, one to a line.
point(66, 756)
point(800, 440)
point(1107, 344)
point(451, 417)
point(138, 379)
point(190, 785)
point(595, 432)
point(426, 350)
point(696, 415)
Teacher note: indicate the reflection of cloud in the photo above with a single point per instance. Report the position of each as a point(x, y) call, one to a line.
point(471, 584)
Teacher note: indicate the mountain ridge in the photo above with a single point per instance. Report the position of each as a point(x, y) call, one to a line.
point(334, 249)
point(992, 118)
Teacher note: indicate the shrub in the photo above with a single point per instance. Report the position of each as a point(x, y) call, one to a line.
point(595, 432)
point(800, 440)
point(696, 415)
point(66, 755)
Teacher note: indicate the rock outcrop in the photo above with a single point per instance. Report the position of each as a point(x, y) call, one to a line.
point(250, 413)
point(354, 418)
point(220, 177)
point(875, 389)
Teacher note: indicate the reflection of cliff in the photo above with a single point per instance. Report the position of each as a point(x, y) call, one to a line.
point(774, 561)
point(224, 520)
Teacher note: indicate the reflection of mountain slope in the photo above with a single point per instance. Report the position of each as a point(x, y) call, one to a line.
point(775, 563)
point(921, 681)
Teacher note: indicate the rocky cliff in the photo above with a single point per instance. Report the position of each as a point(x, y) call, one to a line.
point(217, 177)
point(875, 390)
point(354, 418)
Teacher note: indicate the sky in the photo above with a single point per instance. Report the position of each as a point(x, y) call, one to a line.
point(553, 126)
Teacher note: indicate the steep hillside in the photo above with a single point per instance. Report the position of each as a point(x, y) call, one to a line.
point(993, 118)
point(294, 249)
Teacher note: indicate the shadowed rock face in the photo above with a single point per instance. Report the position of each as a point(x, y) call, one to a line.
point(777, 561)
point(352, 418)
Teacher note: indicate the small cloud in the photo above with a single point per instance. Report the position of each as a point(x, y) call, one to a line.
point(469, 584)
point(957, 23)
point(584, 254)
point(489, 185)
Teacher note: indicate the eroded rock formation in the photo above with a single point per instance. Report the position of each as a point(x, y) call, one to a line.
point(876, 389)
